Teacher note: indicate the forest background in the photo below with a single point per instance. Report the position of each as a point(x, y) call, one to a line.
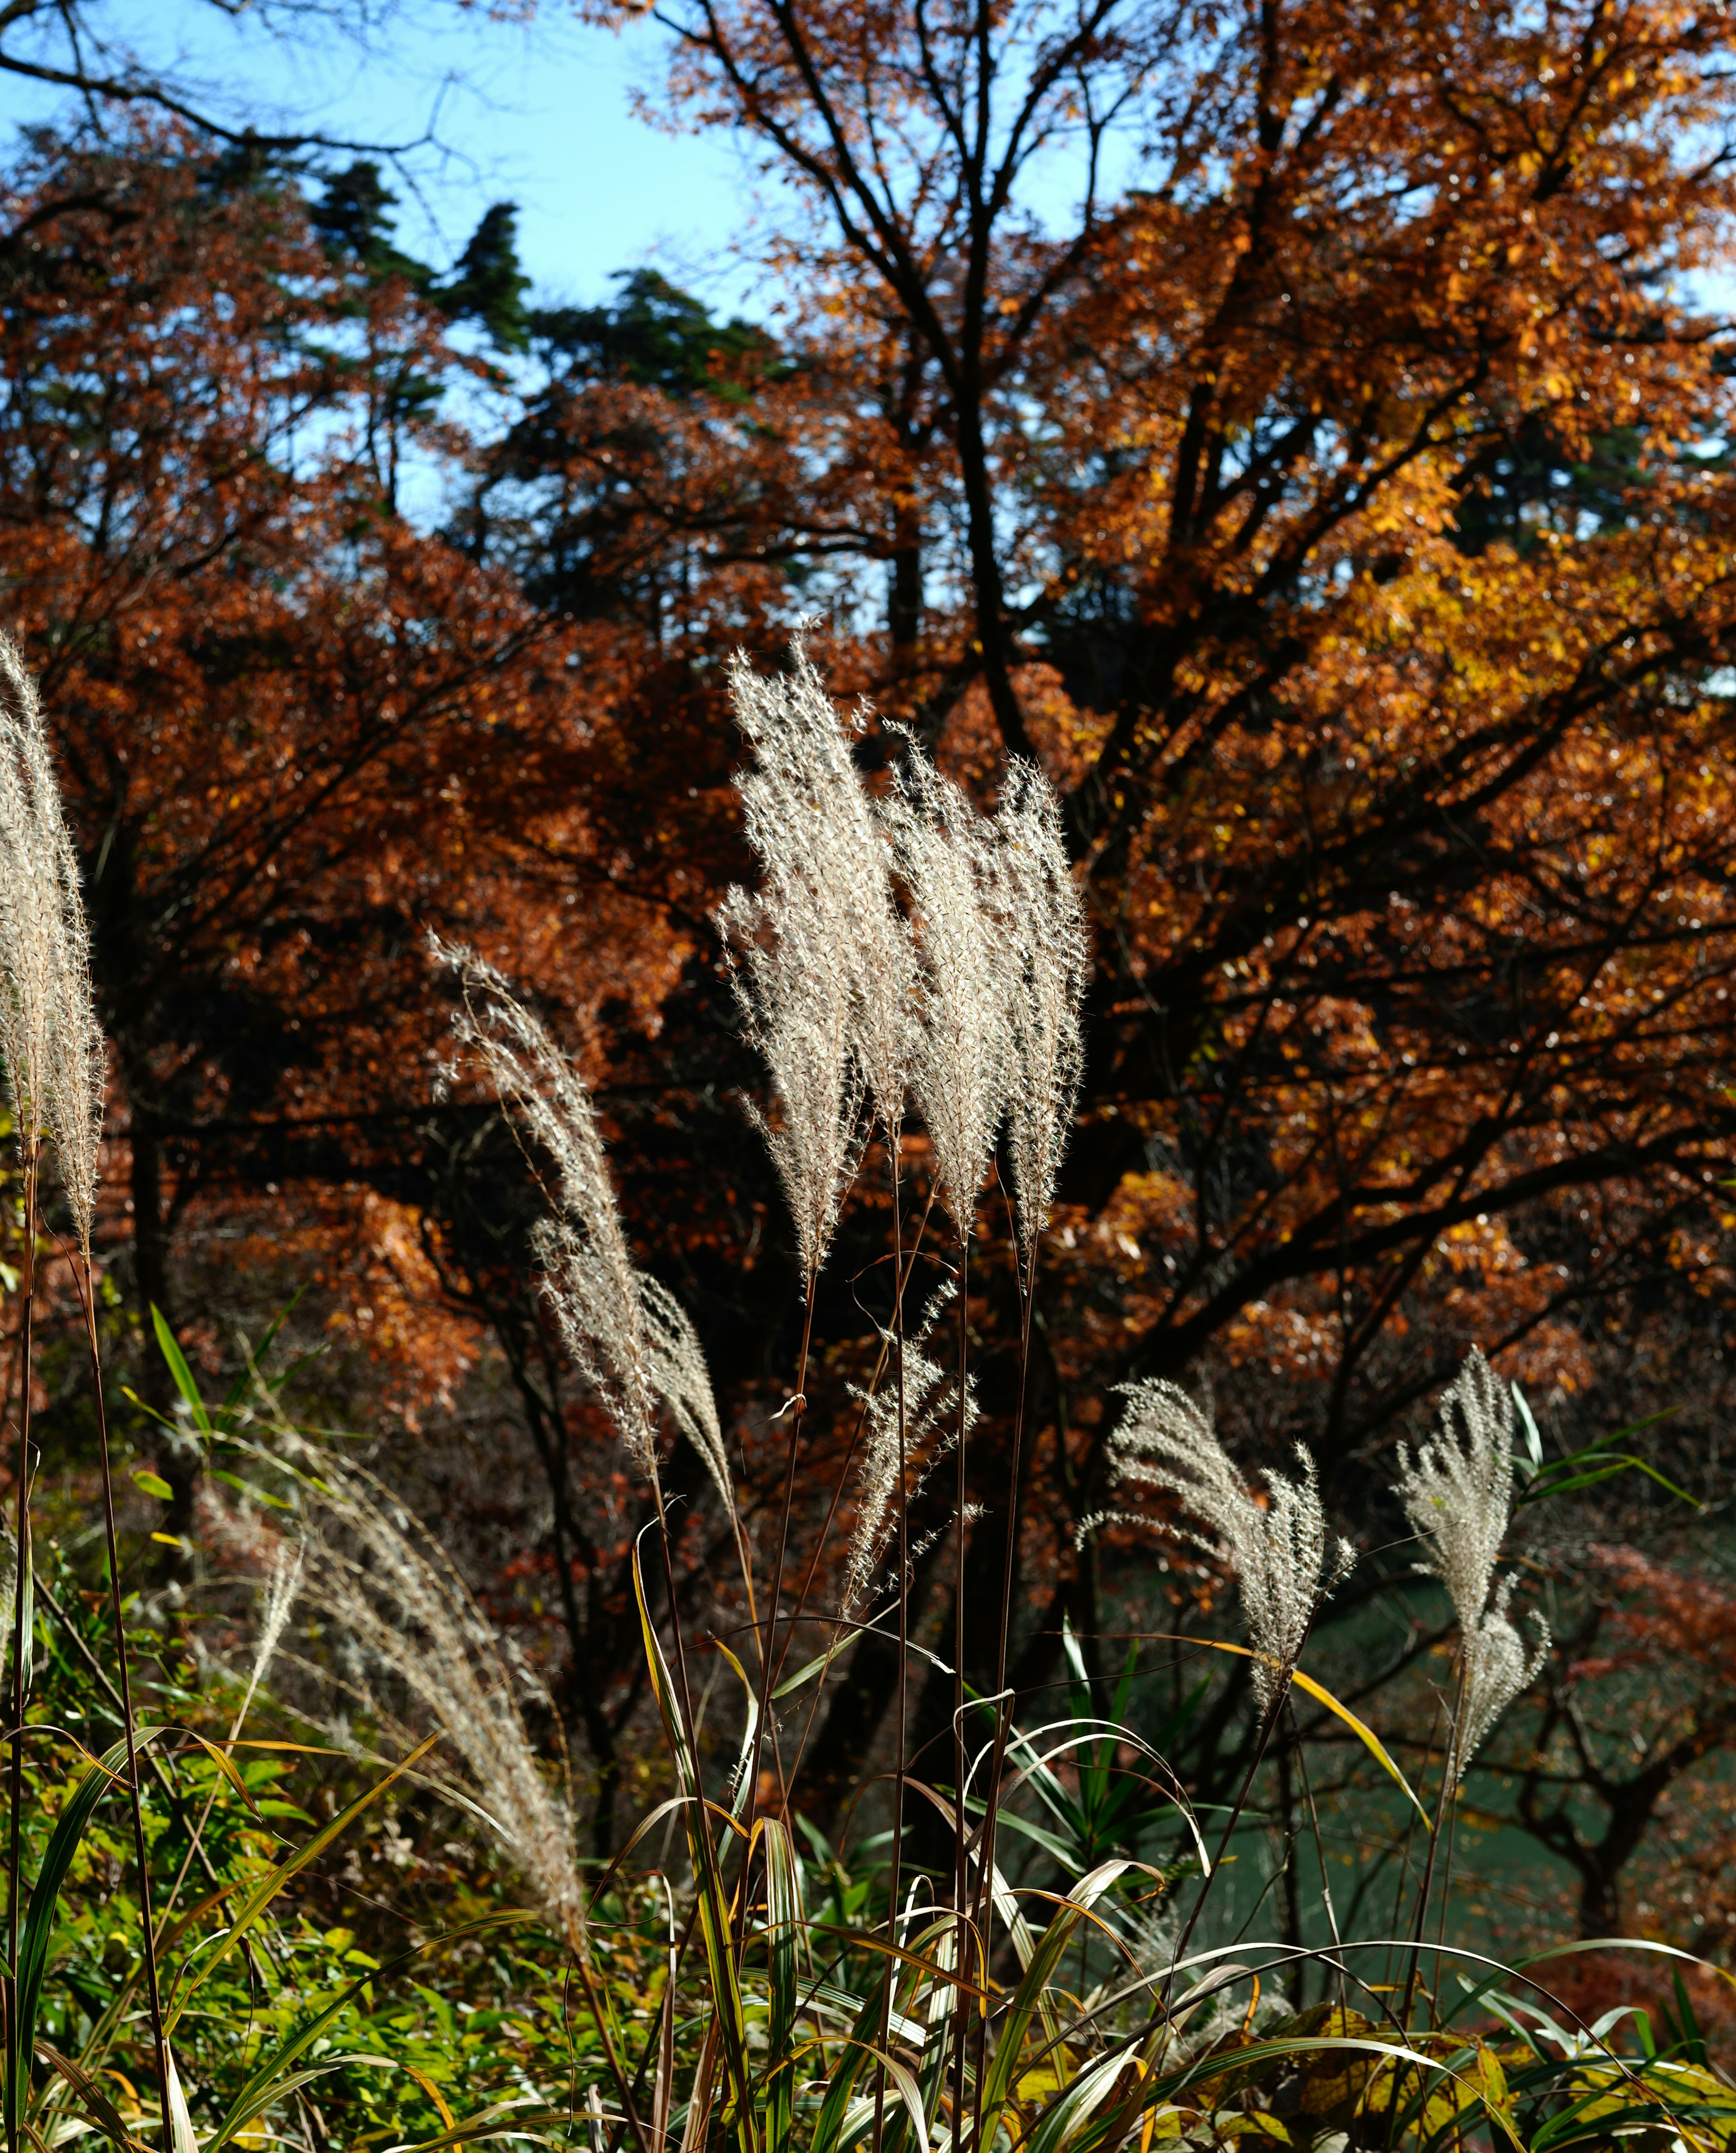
point(1301, 428)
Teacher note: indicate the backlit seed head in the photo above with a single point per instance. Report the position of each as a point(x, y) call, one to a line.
point(1045, 909)
point(628, 1334)
point(1277, 1550)
point(1458, 1494)
point(425, 1658)
point(820, 956)
point(950, 863)
point(53, 1046)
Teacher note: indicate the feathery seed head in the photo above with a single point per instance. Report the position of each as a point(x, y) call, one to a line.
point(628, 1335)
point(821, 959)
point(1457, 1491)
point(1278, 1550)
point(1458, 1494)
point(276, 1603)
point(1054, 964)
point(1496, 1669)
point(384, 1581)
point(950, 859)
point(53, 1046)
point(793, 986)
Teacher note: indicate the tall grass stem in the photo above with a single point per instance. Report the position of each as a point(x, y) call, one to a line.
point(768, 1658)
point(18, 2064)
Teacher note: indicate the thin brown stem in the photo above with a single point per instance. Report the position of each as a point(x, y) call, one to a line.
point(99, 1674)
point(1116, 2125)
point(895, 1880)
point(1320, 1849)
point(1267, 1726)
point(798, 1408)
point(902, 1281)
point(961, 1948)
point(19, 2062)
point(1448, 1781)
point(1026, 1274)
point(611, 2054)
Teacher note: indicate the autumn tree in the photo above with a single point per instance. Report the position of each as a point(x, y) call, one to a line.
point(295, 733)
point(1303, 440)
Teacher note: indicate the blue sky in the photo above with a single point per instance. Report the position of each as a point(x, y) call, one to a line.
point(540, 117)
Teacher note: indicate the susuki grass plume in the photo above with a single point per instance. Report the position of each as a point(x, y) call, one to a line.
point(1497, 1668)
point(376, 1572)
point(1278, 1552)
point(1458, 1494)
point(1046, 912)
point(950, 859)
point(56, 1064)
point(628, 1334)
point(820, 957)
point(49, 1038)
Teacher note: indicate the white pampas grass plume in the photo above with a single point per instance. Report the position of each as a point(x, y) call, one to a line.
point(382, 1578)
point(1044, 905)
point(49, 1037)
point(1497, 1668)
point(792, 985)
point(1277, 1550)
point(820, 957)
point(949, 860)
point(628, 1334)
point(1458, 1494)
point(276, 1603)
point(1457, 1490)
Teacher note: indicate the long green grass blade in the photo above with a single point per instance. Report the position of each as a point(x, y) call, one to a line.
point(184, 2139)
point(783, 1933)
point(1009, 2044)
point(497, 2123)
point(98, 1776)
point(834, 2110)
point(1077, 2104)
point(714, 1911)
point(96, 2104)
point(168, 1347)
point(282, 2088)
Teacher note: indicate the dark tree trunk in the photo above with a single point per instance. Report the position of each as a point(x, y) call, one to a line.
point(903, 605)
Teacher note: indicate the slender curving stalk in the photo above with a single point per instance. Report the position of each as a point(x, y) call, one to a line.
point(766, 1626)
point(1267, 1727)
point(984, 1901)
point(961, 1891)
point(768, 1653)
point(1450, 1781)
point(905, 1273)
point(1319, 1850)
point(894, 1877)
point(16, 2064)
